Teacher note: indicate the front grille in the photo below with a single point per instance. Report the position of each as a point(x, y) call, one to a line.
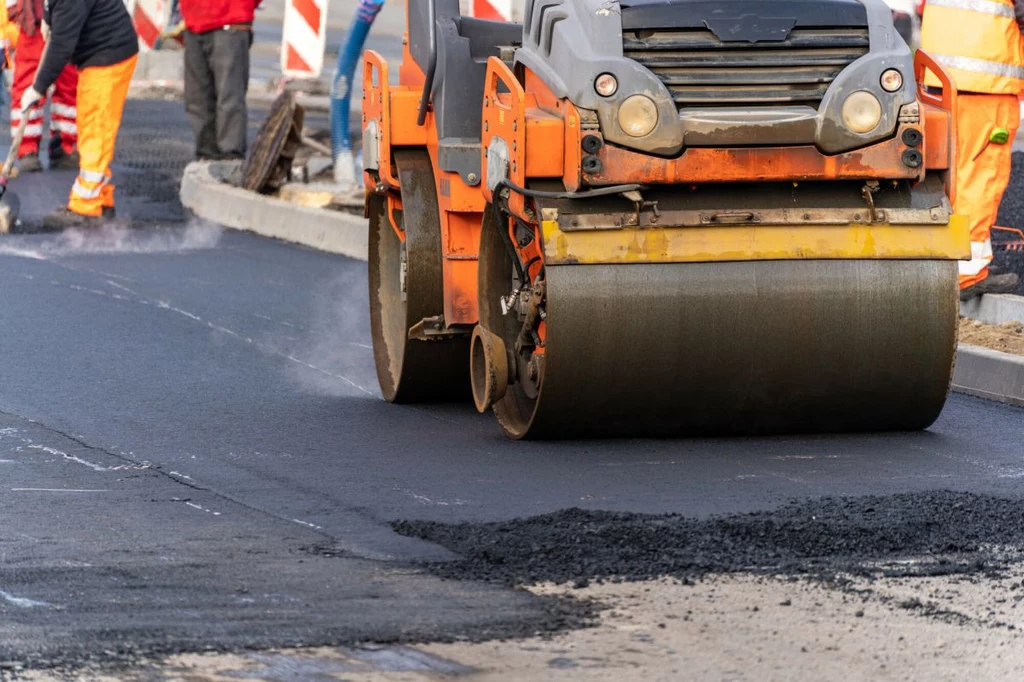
point(700, 70)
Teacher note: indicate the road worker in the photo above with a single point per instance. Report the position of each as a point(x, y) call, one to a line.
point(979, 42)
point(98, 37)
point(27, 15)
point(217, 39)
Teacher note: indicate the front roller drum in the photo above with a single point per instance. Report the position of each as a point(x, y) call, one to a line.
point(729, 348)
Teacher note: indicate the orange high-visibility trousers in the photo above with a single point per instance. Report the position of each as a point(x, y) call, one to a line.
point(982, 172)
point(102, 91)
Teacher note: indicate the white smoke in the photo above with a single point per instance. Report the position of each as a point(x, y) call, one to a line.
point(114, 238)
point(332, 357)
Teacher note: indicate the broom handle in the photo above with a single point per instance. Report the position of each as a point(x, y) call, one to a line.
point(12, 155)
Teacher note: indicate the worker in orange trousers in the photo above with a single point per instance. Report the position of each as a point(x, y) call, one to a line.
point(981, 45)
point(99, 38)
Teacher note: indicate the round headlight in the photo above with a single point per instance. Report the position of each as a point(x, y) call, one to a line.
point(638, 115)
point(606, 85)
point(892, 80)
point(862, 112)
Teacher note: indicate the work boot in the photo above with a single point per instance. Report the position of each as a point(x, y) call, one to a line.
point(993, 284)
point(29, 163)
point(64, 219)
point(61, 160)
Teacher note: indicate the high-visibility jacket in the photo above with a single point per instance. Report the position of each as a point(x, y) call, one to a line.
point(978, 41)
point(8, 29)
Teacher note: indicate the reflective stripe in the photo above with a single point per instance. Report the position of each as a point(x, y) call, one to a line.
point(92, 176)
point(84, 192)
point(68, 127)
point(981, 256)
point(64, 110)
point(984, 6)
point(33, 130)
point(33, 115)
point(980, 66)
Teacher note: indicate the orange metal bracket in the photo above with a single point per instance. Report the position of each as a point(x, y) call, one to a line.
point(394, 203)
point(699, 165)
point(504, 116)
point(377, 107)
point(947, 101)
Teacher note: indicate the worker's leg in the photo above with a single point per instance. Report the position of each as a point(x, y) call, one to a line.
point(64, 115)
point(26, 62)
point(982, 172)
point(231, 74)
point(200, 93)
point(102, 91)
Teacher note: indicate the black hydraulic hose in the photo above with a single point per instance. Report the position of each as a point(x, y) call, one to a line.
point(586, 194)
point(499, 214)
point(428, 84)
point(506, 238)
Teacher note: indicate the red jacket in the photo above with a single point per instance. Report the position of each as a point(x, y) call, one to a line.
point(28, 14)
point(206, 15)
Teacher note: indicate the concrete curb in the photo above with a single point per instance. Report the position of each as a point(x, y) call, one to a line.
point(205, 192)
point(989, 374)
point(994, 308)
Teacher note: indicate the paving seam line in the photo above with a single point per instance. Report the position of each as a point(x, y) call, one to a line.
point(209, 198)
point(989, 374)
point(979, 371)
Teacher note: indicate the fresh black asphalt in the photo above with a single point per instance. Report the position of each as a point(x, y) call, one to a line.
point(194, 454)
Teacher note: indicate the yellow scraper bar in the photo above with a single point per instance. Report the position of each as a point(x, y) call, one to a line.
point(757, 242)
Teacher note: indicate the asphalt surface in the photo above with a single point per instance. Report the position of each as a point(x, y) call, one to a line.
point(194, 454)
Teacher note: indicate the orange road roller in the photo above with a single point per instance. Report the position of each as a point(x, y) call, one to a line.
point(664, 217)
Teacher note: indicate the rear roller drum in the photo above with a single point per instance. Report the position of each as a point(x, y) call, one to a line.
point(411, 370)
point(725, 348)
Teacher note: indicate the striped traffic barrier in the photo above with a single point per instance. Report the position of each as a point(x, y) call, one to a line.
point(304, 39)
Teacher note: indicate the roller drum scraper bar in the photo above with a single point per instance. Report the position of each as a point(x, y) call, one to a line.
point(9, 204)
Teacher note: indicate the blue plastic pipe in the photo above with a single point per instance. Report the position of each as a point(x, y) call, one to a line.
point(341, 93)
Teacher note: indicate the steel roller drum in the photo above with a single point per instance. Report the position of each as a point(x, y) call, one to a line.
point(736, 347)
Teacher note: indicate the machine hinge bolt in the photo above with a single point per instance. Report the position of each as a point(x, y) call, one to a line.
point(472, 178)
point(515, 126)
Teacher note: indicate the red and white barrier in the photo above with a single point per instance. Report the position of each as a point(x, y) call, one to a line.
point(496, 10)
point(305, 38)
point(151, 18)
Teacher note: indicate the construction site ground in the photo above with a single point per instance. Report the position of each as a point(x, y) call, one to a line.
point(200, 481)
point(1007, 337)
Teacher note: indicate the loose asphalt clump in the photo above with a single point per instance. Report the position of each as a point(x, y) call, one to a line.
point(933, 533)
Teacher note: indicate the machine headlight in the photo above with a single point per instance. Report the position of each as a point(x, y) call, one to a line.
point(892, 80)
point(862, 112)
point(606, 85)
point(638, 115)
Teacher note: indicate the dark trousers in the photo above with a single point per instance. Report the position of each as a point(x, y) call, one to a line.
point(216, 81)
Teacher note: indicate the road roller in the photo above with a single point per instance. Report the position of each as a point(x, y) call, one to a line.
point(663, 218)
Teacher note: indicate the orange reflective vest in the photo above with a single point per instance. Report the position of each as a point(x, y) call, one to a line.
point(978, 41)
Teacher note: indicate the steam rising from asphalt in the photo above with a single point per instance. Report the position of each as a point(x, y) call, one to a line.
point(333, 355)
point(114, 238)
